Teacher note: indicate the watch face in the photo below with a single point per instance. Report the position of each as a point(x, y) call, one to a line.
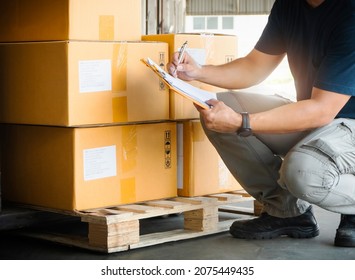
point(245, 132)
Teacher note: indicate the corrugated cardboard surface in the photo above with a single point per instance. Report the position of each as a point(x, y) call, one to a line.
point(43, 20)
point(72, 83)
point(83, 168)
point(203, 171)
point(206, 49)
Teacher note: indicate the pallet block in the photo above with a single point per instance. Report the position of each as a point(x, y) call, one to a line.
point(117, 229)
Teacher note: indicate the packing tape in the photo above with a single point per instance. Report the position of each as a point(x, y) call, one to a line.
point(106, 28)
point(208, 40)
point(119, 67)
point(129, 148)
point(119, 109)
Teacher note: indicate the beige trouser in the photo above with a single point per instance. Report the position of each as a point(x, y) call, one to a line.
point(287, 172)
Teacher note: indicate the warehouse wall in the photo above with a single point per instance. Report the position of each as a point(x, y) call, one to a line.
point(162, 16)
point(228, 7)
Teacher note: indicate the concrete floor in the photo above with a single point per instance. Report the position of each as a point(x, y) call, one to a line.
point(219, 246)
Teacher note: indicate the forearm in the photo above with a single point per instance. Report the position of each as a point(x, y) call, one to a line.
point(229, 76)
point(318, 111)
point(299, 116)
point(241, 73)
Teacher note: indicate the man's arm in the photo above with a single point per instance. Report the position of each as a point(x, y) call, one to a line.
point(318, 111)
point(241, 73)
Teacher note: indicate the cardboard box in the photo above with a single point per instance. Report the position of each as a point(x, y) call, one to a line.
point(201, 171)
point(212, 49)
point(72, 83)
point(43, 20)
point(83, 168)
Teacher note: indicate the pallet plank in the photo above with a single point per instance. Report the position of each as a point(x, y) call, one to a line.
point(116, 228)
point(177, 235)
point(226, 196)
point(170, 204)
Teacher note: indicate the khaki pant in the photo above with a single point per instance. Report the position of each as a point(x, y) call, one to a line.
point(287, 172)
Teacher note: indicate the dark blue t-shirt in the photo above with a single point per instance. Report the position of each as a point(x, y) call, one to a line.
point(319, 43)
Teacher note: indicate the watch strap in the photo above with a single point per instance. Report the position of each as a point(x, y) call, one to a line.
point(245, 129)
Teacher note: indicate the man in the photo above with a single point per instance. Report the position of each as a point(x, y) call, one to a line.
point(289, 155)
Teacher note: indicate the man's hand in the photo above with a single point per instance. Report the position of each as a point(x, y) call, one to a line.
point(220, 117)
point(187, 70)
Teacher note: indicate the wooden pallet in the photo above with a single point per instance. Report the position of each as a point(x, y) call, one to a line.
point(117, 229)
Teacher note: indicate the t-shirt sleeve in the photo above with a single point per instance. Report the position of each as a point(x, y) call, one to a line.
point(271, 40)
point(337, 70)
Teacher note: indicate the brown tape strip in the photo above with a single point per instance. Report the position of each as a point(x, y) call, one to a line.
point(107, 28)
point(119, 109)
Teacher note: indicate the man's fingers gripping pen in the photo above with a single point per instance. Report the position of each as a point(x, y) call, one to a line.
point(181, 55)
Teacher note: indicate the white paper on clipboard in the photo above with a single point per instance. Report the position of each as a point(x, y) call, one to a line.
point(198, 96)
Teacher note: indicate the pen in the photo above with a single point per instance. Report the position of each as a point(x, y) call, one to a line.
point(181, 54)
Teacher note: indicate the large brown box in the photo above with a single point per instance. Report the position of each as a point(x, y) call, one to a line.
point(205, 49)
point(73, 83)
point(47, 20)
point(83, 168)
point(201, 171)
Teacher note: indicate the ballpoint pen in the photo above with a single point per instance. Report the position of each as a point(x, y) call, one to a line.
point(181, 55)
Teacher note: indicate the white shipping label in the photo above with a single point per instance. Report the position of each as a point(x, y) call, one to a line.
point(95, 75)
point(100, 163)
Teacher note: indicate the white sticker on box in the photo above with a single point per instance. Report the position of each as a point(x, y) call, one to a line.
point(95, 76)
point(100, 163)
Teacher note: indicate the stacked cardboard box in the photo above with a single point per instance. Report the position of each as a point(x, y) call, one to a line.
point(60, 20)
point(201, 171)
point(89, 167)
point(86, 122)
point(72, 83)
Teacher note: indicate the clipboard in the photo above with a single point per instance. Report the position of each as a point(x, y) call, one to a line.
point(194, 94)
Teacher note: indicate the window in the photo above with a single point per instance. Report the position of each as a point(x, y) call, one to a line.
point(212, 22)
point(227, 23)
point(199, 23)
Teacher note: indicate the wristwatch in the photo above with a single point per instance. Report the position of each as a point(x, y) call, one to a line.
point(245, 129)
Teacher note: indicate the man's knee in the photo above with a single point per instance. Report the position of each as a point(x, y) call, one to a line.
point(307, 177)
